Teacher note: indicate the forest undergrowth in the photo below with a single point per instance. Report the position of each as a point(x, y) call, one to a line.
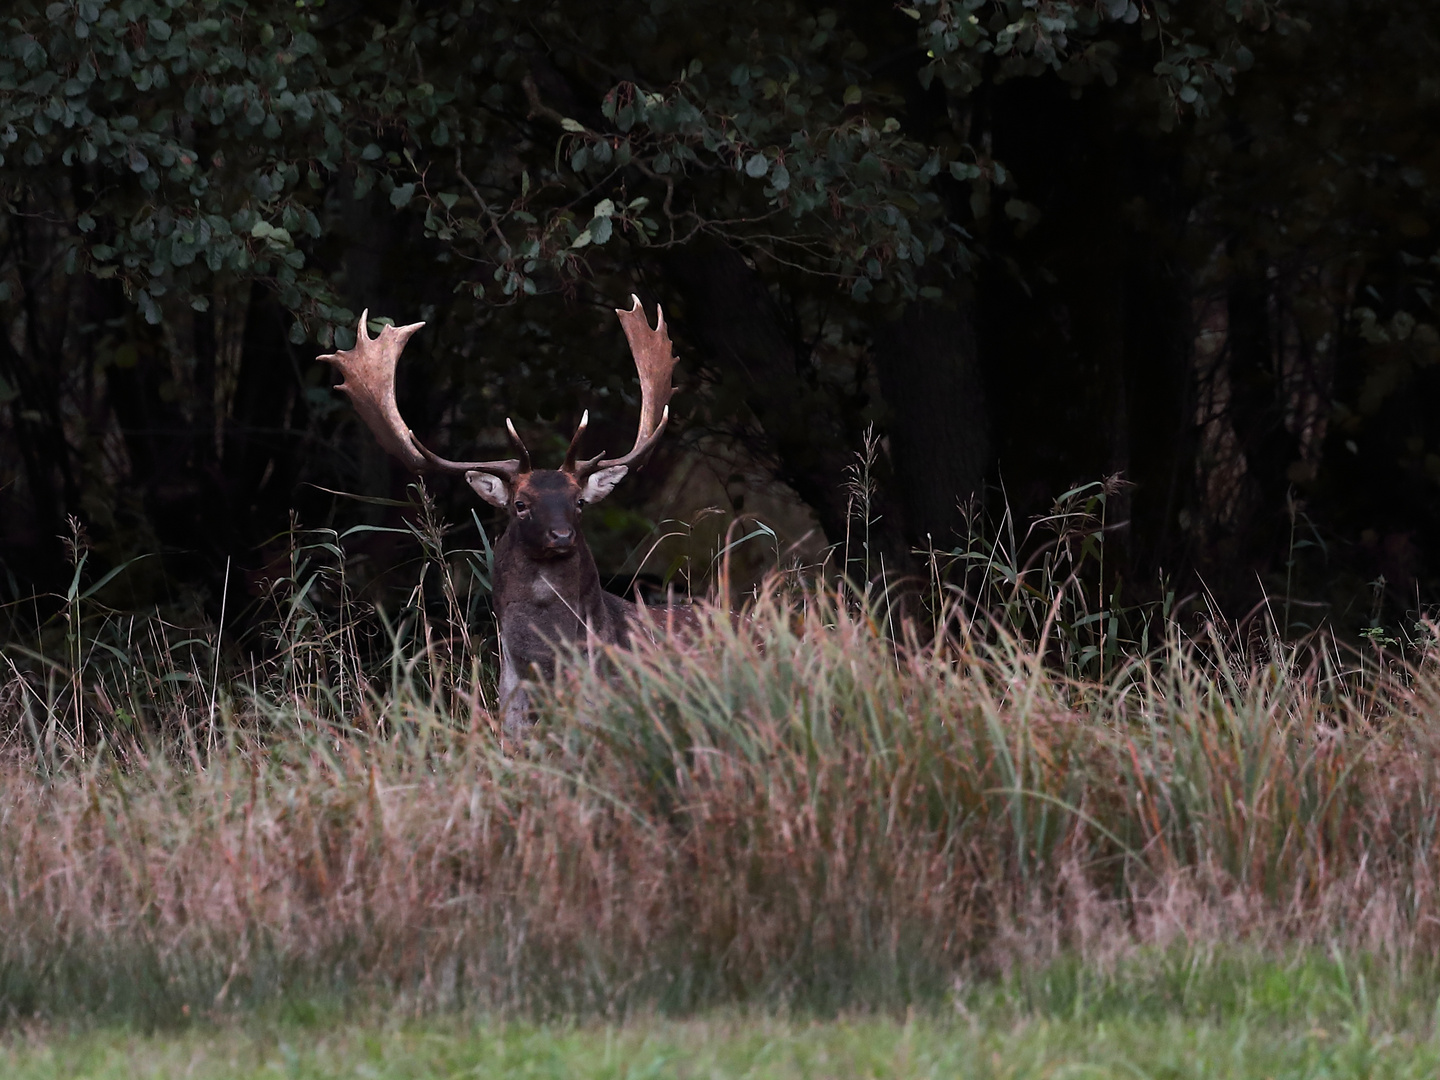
point(830, 801)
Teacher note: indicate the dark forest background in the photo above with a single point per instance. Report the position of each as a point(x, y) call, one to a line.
point(1035, 244)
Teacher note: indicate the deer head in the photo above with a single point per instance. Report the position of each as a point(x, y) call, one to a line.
point(544, 505)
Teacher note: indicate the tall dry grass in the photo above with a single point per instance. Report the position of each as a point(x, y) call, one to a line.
point(790, 808)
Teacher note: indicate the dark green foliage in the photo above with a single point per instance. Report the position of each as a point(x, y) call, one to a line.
point(210, 144)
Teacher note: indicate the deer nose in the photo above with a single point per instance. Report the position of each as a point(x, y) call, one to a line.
point(561, 537)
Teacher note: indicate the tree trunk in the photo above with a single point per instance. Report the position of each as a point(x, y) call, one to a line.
point(730, 316)
point(939, 434)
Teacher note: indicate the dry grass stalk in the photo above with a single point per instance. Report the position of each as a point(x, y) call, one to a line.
point(774, 811)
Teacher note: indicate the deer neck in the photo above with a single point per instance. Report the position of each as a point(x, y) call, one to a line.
point(525, 578)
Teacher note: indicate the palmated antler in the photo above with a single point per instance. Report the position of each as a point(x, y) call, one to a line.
point(369, 378)
point(654, 361)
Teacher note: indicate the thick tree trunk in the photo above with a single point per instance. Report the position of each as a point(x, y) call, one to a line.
point(939, 434)
point(730, 316)
point(928, 374)
point(1160, 389)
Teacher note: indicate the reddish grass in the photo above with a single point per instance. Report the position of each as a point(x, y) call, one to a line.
point(791, 808)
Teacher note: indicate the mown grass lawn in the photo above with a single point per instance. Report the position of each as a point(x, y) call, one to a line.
point(1013, 1047)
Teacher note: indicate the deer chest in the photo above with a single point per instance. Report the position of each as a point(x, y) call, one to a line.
point(544, 591)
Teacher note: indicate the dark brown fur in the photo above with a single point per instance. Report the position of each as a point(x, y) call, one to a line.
point(547, 587)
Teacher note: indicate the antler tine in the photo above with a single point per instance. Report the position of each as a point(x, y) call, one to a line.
point(519, 445)
point(368, 372)
point(654, 361)
point(574, 447)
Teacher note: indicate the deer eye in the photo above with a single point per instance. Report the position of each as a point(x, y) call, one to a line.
point(580, 503)
point(521, 506)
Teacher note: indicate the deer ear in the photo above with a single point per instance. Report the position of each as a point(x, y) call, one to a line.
point(489, 487)
point(603, 482)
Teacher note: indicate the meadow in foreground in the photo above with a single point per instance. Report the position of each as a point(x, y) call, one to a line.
point(1042, 848)
point(795, 811)
point(1155, 1016)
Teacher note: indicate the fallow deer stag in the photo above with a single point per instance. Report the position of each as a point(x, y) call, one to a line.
point(546, 586)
